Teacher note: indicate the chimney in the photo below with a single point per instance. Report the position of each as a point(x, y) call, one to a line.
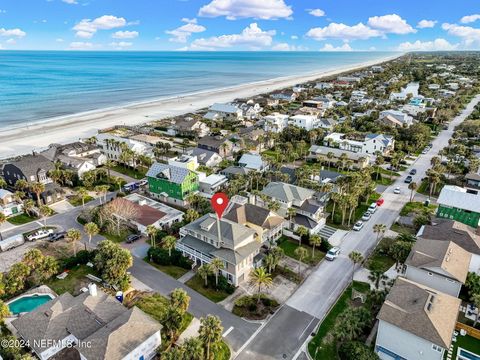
point(92, 289)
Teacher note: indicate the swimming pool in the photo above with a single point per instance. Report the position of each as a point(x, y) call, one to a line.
point(467, 355)
point(28, 303)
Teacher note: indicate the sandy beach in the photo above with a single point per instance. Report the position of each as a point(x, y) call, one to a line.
point(23, 140)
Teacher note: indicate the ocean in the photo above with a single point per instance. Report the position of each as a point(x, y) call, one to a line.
point(40, 85)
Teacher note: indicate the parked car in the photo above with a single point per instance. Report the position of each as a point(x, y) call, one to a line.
point(358, 226)
point(366, 216)
point(408, 179)
point(57, 236)
point(372, 208)
point(132, 238)
point(380, 202)
point(40, 234)
point(425, 151)
point(333, 253)
point(143, 182)
point(396, 190)
point(413, 171)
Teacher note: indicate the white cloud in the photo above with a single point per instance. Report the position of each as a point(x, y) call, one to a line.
point(59, 40)
point(470, 18)
point(468, 34)
point(282, 47)
point(71, 2)
point(435, 45)
point(294, 37)
point(11, 41)
point(121, 45)
point(86, 28)
point(422, 24)
point(344, 32)
point(12, 32)
point(182, 33)
point(125, 35)
point(317, 12)
point(236, 9)
point(390, 24)
point(330, 47)
point(251, 37)
point(80, 45)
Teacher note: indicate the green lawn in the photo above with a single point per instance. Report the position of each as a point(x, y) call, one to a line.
point(21, 219)
point(116, 238)
point(289, 246)
point(222, 352)
point(198, 284)
point(73, 282)
point(466, 342)
point(379, 261)
point(425, 189)
point(155, 305)
point(76, 201)
point(136, 174)
point(415, 207)
point(316, 348)
point(174, 271)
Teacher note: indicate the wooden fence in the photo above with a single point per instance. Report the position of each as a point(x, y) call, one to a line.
point(470, 330)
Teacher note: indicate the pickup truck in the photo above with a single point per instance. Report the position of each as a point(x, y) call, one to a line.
point(40, 234)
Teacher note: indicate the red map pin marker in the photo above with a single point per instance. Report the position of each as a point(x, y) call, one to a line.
point(219, 203)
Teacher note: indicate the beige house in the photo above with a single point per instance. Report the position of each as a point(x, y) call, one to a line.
point(359, 160)
point(208, 238)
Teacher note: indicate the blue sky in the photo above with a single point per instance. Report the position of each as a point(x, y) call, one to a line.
point(240, 25)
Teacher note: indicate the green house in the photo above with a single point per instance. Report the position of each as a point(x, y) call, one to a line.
point(456, 203)
point(170, 183)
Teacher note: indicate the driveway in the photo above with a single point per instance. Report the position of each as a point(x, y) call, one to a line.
point(281, 338)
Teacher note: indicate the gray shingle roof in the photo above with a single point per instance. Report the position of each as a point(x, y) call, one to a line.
point(287, 192)
point(112, 328)
point(421, 311)
point(171, 173)
point(32, 164)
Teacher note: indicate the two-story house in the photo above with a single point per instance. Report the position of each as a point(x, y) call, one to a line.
point(33, 168)
point(371, 144)
point(225, 112)
point(217, 144)
point(472, 183)
point(171, 184)
point(395, 118)
point(415, 322)
point(268, 225)
point(275, 122)
point(325, 153)
point(208, 238)
point(442, 266)
point(307, 122)
point(8, 205)
point(309, 205)
point(112, 146)
point(206, 158)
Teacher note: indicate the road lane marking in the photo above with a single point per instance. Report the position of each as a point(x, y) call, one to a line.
point(39, 223)
point(225, 334)
point(306, 327)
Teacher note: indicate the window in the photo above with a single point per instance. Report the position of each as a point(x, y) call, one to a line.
point(437, 348)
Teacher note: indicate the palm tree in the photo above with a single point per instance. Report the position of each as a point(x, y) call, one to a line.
point(91, 229)
point(3, 219)
point(210, 333)
point(109, 164)
point(45, 211)
point(152, 233)
point(216, 265)
point(74, 235)
point(180, 300)
point(118, 181)
point(356, 258)
point(412, 186)
point(377, 276)
point(315, 240)
point(82, 193)
point(38, 188)
point(301, 231)
point(3, 183)
point(169, 242)
point(21, 184)
point(102, 190)
point(379, 161)
point(28, 205)
point(291, 213)
point(204, 271)
point(301, 253)
point(379, 229)
point(259, 277)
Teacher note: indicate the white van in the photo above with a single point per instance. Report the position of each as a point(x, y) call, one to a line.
point(372, 208)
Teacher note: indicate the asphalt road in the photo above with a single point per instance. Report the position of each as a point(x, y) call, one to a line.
point(283, 334)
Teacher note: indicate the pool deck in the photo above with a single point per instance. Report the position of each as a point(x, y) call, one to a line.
point(39, 290)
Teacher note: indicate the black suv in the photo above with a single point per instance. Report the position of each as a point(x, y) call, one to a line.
point(413, 171)
point(133, 237)
point(57, 236)
point(408, 179)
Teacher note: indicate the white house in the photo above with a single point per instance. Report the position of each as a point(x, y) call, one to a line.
point(442, 266)
point(307, 122)
point(324, 86)
point(370, 145)
point(253, 161)
point(8, 205)
point(357, 96)
point(229, 112)
point(184, 161)
point(275, 122)
point(206, 157)
point(415, 322)
point(212, 184)
point(410, 89)
point(284, 95)
point(111, 146)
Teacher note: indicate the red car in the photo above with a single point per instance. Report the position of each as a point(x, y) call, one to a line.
point(380, 202)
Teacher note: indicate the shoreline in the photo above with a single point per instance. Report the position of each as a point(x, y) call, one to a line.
point(24, 139)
